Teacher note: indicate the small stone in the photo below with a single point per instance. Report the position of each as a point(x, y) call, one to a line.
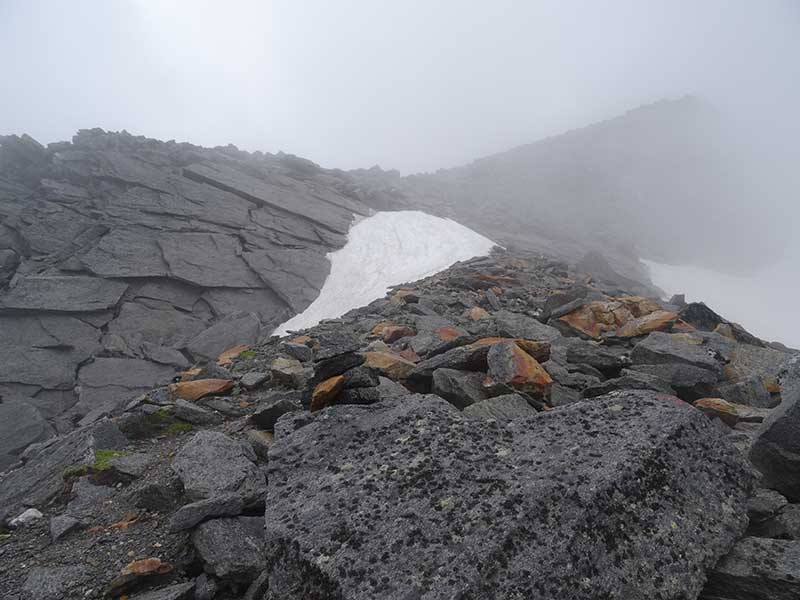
point(287, 371)
point(186, 517)
point(325, 392)
point(181, 591)
point(301, 352)
point(227, 357)
point(261, 442)
point(764, 503)
point(254, 379)
point(393, 333)
point(26, 518)
point(730, 413)
point(199, 388)
point(61, 525)
point(267, 414)
point(389, 364)
point(191, 413)
point(205, 587)
point(459, 388)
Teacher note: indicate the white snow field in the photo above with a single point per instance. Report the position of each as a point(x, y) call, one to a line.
point(386, 249)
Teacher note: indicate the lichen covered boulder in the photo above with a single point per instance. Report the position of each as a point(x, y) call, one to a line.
point(633, 495)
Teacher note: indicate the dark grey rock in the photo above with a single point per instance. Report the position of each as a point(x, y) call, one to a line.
point(88, 500)
point(391, 389)
point(154, 497)
point(21, 425)
point(299, 351)
point(764, 503)
point(253, 379)
point(211, 464)
point(561, 395)
point(501, 408)
point(784, 525)
point(660, 348)
point(756, 569)
point(272, 408)
point(537, 506)
point(205, 587)
point(64, 294)
point(364, 395)
point(360, 377)
point(689, 382)
point(55, 583)
point(750, 392)
point(61, 525)
point(463, 358)
point(131, 466)
point(232, 330)
point(192, 413)
point(517, 325)
point(603, 359)
point(189, 515)
point(629, 380)
point(180, 591)
point(459, 388)
point(776, 450)
point(287, 371)
point(41, 477)
point(231, 549)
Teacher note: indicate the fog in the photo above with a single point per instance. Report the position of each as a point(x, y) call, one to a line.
point(419, 86)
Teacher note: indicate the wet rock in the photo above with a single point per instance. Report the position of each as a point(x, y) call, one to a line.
point(272, 408)
point(231, 549)
point(459, 388)
point(211, 464)
point(620, 462)
point(501, 408)
point(661, 348)
point(55, 583)
point(200, 388)
point(776, 450)
point(756, 569)
point(41, 477)
point(191, 413)
point(510, 365)
point(189, 515)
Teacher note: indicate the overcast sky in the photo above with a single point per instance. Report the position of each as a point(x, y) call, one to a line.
point(413, 85)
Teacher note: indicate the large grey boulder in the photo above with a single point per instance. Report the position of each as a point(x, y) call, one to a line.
point(660, 348)
point(231, 548)
point(212, 464)
point(21, 425)
point(55, 583)
point(776, 450)
point(411, 499)
point(518, 325)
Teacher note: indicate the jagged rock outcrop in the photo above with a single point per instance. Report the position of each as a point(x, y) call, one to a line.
point(152, 255)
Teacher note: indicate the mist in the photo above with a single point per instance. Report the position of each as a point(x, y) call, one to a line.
point(421, 86)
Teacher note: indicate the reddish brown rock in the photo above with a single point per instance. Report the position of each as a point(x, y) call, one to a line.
point(392, 333)
point(230, 354)
point(658, 320)
point(476, 313)
point(409, 354)
point(447, 334)
point(190, 374)
point(326, 391)
point(511, 365)
point(730, 413)
point(601, 316)
point(538, 350)
point(200, 388)
point(389, 364)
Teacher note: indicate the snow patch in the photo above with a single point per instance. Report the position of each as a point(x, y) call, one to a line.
point(387, 249)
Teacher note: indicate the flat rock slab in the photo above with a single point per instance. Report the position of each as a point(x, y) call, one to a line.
point(21, 425)
point(64, 294)
point(411, 499)
point(55, 583)
point(212, 464)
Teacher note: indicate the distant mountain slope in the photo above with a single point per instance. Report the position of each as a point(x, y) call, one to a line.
point(663, 181)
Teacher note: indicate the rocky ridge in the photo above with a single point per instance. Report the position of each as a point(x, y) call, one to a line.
point(513, 427)
point(124, 260)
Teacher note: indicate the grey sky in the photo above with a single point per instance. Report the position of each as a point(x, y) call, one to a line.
point(414, 85)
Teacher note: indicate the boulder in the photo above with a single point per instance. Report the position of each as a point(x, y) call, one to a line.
point(518, 325)
point(459, 388)
point(181, 591)
point(750, 392)
point(231, 549)
point(689, 382)
point(596, 499)
point(509, 364)
point(272, 407)
point(211, 464)
point(730, 413)
point(756, 569)
point(287, 371)
point(200, 388)
point(191, 413)
point(763, 504)
point(784, 525)
point(660, 348)
point(61, 525)
point(776, 450)
point(326, 391)
point(20, 426)
point(629, 380)
point(389, 364)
